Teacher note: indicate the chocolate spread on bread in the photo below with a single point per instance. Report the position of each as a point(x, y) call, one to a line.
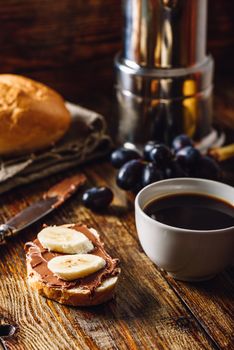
point(38, 258)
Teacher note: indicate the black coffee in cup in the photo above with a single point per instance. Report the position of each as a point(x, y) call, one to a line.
point(191, 211)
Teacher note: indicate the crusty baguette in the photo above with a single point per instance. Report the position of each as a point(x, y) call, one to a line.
point(32, 116)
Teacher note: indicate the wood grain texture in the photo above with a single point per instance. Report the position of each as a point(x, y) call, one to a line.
point(147, 313)
point(70, 45)
point(40, 34)
point(220, 33)
point(210, 302)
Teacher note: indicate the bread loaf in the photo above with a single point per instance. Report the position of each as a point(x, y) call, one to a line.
point(32, 116)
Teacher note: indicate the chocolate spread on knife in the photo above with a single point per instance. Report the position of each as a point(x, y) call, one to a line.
point(65, 188)
point(39, 257)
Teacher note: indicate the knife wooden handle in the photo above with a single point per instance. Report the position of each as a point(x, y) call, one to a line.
point(5, 232)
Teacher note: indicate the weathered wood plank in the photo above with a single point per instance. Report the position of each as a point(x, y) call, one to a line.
point(146, 313)
point(37, 34)
point(40, 34)
point(88, 84)
point(211, 302)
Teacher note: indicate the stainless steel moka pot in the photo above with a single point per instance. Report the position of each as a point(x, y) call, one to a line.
point(163, 75)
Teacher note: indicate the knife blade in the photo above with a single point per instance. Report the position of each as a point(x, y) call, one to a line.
point(51, 199)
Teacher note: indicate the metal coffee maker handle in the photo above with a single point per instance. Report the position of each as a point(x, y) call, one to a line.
point(164, 78)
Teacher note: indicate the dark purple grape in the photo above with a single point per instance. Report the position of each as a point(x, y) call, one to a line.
point(188, 157)
point(151, 174)
point(129, 177)
point(207, 168)
point(160, 155)
point(122, 155)
point(148, 148)
point(174, 170)
point(97, 198)
point(180, 142)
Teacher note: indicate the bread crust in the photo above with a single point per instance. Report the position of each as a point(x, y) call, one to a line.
point(32, 116)
point(73, 296)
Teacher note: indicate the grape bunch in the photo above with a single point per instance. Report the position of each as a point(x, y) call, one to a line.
point(157, 162)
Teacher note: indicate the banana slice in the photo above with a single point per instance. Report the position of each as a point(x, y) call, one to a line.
point(64, 240)
point(71, 267)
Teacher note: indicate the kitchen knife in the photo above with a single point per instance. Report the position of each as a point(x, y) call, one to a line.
point(52, 199)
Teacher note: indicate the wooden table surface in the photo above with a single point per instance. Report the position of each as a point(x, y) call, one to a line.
point(150, 311)
point(70, 45)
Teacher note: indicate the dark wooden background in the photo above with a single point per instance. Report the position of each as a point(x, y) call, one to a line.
point(70, 45)
point(59, 42)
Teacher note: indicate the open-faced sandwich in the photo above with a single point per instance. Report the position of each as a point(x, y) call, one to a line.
point(69, 264)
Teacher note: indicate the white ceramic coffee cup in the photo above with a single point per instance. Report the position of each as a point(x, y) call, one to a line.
point(188, 255)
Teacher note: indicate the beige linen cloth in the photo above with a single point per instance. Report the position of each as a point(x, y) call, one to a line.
point(85, 140)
